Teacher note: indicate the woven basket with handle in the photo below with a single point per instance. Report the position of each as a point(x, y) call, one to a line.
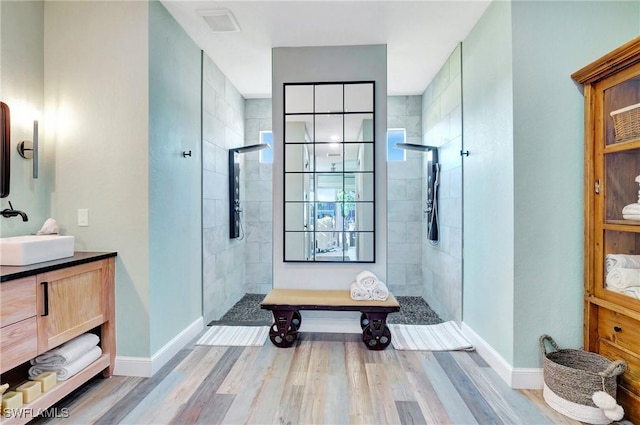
point(571, 377)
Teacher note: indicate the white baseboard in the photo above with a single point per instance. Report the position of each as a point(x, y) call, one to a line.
point(520, 378)
point(133, 366)
point(147, 366)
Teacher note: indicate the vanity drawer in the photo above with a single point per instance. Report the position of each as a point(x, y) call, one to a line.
point(619, 329)
point(630, 379)
point(17, 300)
point(18, 343)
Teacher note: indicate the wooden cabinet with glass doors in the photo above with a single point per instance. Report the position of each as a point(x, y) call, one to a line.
point(612, 214)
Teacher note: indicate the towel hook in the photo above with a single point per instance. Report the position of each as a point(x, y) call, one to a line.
point(186, 153)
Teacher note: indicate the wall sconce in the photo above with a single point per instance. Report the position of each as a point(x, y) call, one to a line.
point(29, 150)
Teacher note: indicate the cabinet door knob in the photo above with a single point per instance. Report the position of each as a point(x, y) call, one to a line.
point(617, 328)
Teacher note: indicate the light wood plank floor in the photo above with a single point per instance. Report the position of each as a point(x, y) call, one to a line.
point(324, 379)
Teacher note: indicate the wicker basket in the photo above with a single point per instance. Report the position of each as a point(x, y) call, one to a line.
point(626, 122)
point(571, 377)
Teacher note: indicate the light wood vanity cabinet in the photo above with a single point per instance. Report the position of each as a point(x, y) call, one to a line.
point(71, 302)
point(49, 308)
point(18, 338)
point(612, 163)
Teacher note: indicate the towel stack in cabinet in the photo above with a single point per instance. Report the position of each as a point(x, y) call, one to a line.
point(612, 164)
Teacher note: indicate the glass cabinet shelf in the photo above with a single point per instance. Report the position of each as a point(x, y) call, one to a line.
point(623, 225)
point(622, 146)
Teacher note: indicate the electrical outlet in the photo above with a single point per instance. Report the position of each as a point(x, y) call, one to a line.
point(83, 217)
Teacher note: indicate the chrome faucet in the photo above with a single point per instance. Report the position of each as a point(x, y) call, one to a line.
point(10, 212)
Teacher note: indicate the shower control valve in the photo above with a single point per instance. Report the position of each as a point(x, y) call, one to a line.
point(428, 207)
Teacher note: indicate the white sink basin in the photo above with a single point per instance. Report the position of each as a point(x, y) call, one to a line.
point(31, 249)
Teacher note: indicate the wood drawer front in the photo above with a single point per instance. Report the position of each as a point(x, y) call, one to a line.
point(631, 377)
point(631, 404)
point(619, 329)
point(18, 343)
point(17, 300)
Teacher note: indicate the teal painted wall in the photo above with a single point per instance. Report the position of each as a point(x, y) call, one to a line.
point(175, 209)
point(548, 161)
point(114, 123)
point(523, 180)
point(22, 88)
point(488, 221)
point(97, 123)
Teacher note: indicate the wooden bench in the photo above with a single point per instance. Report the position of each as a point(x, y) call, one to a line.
point(285, 304)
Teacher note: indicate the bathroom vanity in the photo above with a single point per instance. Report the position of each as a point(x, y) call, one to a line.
point(46, 304)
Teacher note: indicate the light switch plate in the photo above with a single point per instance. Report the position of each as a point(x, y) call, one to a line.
point(83, 217)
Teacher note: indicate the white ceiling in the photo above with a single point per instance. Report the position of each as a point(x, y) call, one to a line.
point(420, 35)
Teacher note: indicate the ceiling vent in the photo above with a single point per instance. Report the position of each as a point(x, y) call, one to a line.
point(221, 20)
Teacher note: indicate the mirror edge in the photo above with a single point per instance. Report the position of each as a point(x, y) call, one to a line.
point(5, 150)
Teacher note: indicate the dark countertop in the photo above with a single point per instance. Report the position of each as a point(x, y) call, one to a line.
point(8, 273)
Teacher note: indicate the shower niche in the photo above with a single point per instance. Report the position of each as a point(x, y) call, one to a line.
point(329, 173)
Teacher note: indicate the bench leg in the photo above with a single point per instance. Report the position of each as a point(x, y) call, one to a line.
point(284, 332)
point(364, 321)
point(375, 334)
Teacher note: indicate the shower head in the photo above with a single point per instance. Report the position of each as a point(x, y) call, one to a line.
point(433, 150)
point(415, 147)
point(251, 148)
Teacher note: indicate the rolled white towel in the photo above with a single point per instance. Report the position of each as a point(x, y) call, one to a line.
point(70, 369)
point(631, 291)
point(69, 351)
point(367, 280)
point(632, 209)
point(381, 292)
point(622, 278)
point(626, 261)
point(360, 294)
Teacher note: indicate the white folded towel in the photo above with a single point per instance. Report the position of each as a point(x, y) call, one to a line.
point(626, 261)
point(631, 217)
point(631, 291)
point(50, 227)
point(367, 280)
point(633, 209)
point(68, 352)
point(380, 293)
point(70, 369)
point(360, 294)
point(622, 278)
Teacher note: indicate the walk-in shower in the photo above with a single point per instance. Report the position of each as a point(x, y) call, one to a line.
point(433, 182)
point(234, 186)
